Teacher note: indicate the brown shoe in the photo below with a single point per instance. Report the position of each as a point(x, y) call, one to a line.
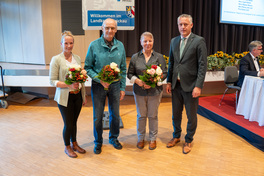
point(173, 142)
point(77, 148)
point(186, 148)
point(152, 145)
point(68, 150)
point(141, 144)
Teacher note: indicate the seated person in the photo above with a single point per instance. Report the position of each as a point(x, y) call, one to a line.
point(249, 64)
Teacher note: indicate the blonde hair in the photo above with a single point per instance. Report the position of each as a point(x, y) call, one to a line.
point(66, 33)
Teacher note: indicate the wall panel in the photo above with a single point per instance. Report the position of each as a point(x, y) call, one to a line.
point(31, 31)
point(10, 15)
point(2, 49)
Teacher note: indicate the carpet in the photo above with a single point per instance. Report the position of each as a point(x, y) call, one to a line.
point(225, 115)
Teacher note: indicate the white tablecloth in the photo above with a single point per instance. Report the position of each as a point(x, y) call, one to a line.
point(251, 99)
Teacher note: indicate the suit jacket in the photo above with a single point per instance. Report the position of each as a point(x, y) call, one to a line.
point(57, 72)
point(246, 67)
point(192, 65)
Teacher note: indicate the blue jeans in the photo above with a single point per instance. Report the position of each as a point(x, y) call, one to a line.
point(98, 97)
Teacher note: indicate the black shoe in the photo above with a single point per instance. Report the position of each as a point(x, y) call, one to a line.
point(97, 149)
point(116, 144)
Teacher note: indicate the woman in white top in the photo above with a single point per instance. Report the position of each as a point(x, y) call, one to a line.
point(69, 100)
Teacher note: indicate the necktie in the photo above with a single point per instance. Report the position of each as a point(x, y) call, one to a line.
point(182, 46)
point(256, 64)
point(181, 50)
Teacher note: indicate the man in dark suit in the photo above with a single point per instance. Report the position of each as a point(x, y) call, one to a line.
point(186, 74)
point(249, 65)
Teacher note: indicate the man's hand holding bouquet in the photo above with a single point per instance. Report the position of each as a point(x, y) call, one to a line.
point(152, 76)
point(109, 74)
point(75, 76)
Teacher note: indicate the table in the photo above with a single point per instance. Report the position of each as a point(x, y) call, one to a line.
point(251, 99)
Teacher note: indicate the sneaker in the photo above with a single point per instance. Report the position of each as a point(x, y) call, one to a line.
point(116, 144)
point(97, 149)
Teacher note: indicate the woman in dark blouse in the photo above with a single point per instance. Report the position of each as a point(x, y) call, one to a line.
point(147, 99)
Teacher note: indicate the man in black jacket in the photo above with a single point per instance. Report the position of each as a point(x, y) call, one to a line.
point(186, 74)
point(249, 64)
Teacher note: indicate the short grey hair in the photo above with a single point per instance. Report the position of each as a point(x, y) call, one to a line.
point(109, 19)
point(146, 34)
point(254, 44)
point(185, 16)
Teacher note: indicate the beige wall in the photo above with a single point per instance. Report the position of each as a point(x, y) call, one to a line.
point(30, 32)
point(51, 20)
point(51, 16)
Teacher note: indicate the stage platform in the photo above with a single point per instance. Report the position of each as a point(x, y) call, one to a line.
point(225, 115)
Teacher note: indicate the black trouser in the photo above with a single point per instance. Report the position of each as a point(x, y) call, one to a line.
point(70, 115)
point(180, 98)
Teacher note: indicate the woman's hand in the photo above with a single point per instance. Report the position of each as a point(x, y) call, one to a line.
point(146, 86)
point(142, 84)
point(74, 85)
point(139, 82)
point(85, 101)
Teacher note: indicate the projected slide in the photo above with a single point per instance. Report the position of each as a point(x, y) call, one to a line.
point(246, 12)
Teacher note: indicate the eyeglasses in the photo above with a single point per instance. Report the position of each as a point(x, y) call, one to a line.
point(107, 28)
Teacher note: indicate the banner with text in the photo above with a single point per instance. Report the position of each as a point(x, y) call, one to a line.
point(94, 12)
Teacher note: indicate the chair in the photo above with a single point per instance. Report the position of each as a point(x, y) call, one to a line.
point(230, 79)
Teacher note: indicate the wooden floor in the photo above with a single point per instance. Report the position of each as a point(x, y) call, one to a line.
point(31, 144)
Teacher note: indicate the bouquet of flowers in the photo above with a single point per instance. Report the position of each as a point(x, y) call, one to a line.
point(75, 74)
point(109, 73)
point(152, 76)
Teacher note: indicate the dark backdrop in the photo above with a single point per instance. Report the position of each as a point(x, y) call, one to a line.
point(160, 18)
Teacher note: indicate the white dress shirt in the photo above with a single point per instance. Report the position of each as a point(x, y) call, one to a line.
point(255, 60)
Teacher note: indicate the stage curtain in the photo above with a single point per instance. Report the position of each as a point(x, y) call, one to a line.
point(160, 18)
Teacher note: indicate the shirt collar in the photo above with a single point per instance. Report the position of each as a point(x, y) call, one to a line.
point(186, 37)
point(252, 56)
point(109, 44)
point(152, 54)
